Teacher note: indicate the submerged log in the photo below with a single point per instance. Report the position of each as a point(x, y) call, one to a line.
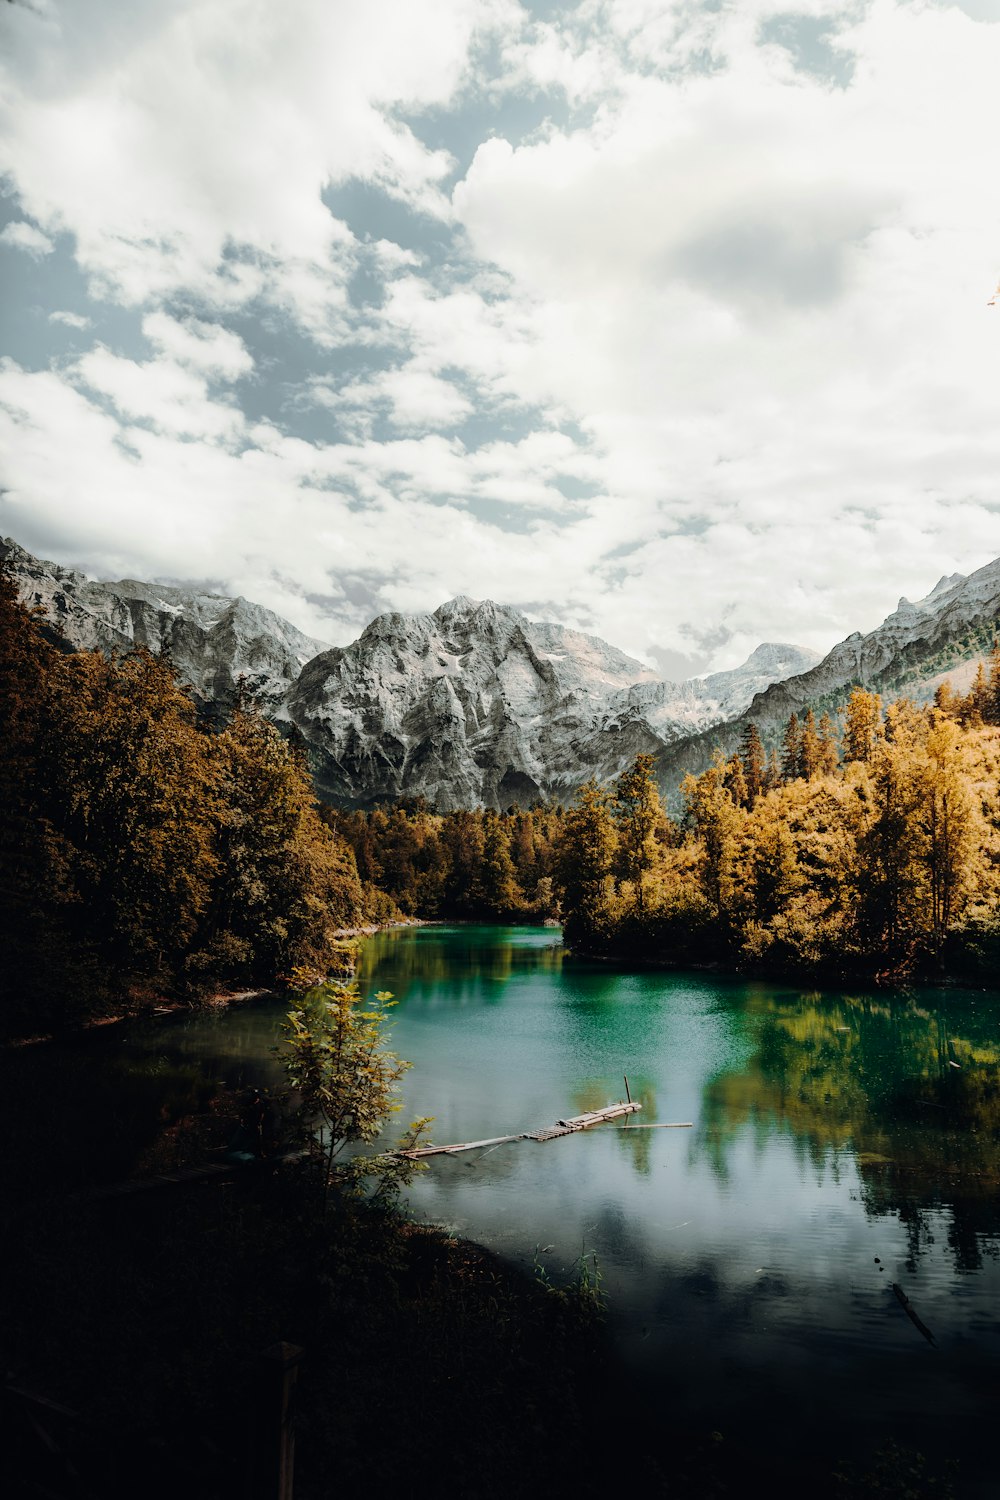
point(562, 1127)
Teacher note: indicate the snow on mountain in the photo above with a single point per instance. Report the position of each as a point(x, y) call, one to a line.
point(914, 648)
point(471, 704)
point(676, 709)
point(213, 641)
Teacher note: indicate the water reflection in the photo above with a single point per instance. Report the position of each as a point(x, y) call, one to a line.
point(909, 1090)
point(739, 1256)
point(461, 959)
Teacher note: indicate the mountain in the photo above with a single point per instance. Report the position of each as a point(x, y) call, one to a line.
point(909, 654)
point(213, 641)
point(477, 704)
point(471, 704)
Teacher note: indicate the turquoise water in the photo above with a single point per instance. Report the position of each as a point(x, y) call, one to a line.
point(840, 1143)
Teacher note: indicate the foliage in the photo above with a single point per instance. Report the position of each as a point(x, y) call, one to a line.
point(885, 864)
point(140, 852)
point(347, 1080)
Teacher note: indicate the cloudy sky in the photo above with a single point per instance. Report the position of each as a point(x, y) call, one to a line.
point(664, 319)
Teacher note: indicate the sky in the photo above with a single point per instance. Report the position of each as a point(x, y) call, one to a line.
point(662, 319)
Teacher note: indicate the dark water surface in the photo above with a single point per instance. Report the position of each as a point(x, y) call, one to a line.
point(841, 1142)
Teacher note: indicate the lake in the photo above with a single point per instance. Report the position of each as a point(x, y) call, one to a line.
point(841, 1143)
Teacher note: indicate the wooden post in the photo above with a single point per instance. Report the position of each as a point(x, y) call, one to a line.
point(276, 1477)
point(628, 1096)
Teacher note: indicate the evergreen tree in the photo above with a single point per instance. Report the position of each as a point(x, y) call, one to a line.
point(497, 883)
point(810, 751)
point(828, 758)
point(754, 763)
point(791, 750)
point(863, 725)
point(586, 857)
point(637, 814)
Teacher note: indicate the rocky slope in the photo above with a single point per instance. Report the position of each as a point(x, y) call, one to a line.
point(213, 641)
point(477, 704)
point(914, 649)
point(471, 704)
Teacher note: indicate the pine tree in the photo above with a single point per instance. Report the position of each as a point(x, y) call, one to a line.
point(827, 747)
point(637, 812)
point(791, 750)
point(863, 725)
point(754, 763)
point(585, 860)
point(497, 882)
point(810, 754)
point(992, 713)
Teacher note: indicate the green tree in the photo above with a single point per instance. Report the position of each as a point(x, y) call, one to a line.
point(497, 882)
point(637, 814)
point(585, 860)
point(338, 1062)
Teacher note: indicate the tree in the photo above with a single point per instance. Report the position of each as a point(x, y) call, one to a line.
point(810, 754)
point(338, 1062)
point(754, 763)
point(863, 725)
point(947, 821)
point(791, 750)
point(585, 860)
point(637, 813)
point(717, 824)
point(497, 881)
point(827, 747)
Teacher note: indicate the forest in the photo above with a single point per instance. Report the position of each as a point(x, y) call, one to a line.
point(147, 853)
point(869, 846)
point(144, 854)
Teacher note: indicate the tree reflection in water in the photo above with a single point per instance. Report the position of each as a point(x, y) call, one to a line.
point(906, 1086)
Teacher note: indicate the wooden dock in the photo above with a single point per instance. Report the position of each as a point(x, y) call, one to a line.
point(561, 1127)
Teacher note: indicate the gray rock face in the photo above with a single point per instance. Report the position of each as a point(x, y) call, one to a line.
point(477, 705)
point(212, 641)
point(907, 655)
point(471, 705)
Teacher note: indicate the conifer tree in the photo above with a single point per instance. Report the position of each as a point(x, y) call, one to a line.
point(497, 882)
point(791, 750)
point(637, 812)
point(827, 746)
point(863, 725)
point(754, 763)
point(586, 856)
point(810, 753)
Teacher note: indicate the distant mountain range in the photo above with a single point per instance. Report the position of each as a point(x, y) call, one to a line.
point(475, 704)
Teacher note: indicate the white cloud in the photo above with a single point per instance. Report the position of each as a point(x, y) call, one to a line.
point(24, 236)
point(70, 319)
point(165, 139)
point(172, 399)
point(205, 347)
point(735, 303)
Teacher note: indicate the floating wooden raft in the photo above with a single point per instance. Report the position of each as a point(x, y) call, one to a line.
point(561, 1127)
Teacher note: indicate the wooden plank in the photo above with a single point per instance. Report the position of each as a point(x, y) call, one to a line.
point(495, 1140)
point(677, 1125)
point(563, 1127)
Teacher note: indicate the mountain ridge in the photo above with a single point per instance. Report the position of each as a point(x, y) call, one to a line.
point(472, 703)
point(475, 704)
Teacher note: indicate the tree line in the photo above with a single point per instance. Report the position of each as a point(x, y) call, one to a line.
point(142, 852)
point(877, 850)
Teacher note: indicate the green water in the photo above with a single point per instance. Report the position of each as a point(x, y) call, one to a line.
point(840, 1143)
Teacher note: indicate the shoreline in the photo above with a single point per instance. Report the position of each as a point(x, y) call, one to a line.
point(162, 1008)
